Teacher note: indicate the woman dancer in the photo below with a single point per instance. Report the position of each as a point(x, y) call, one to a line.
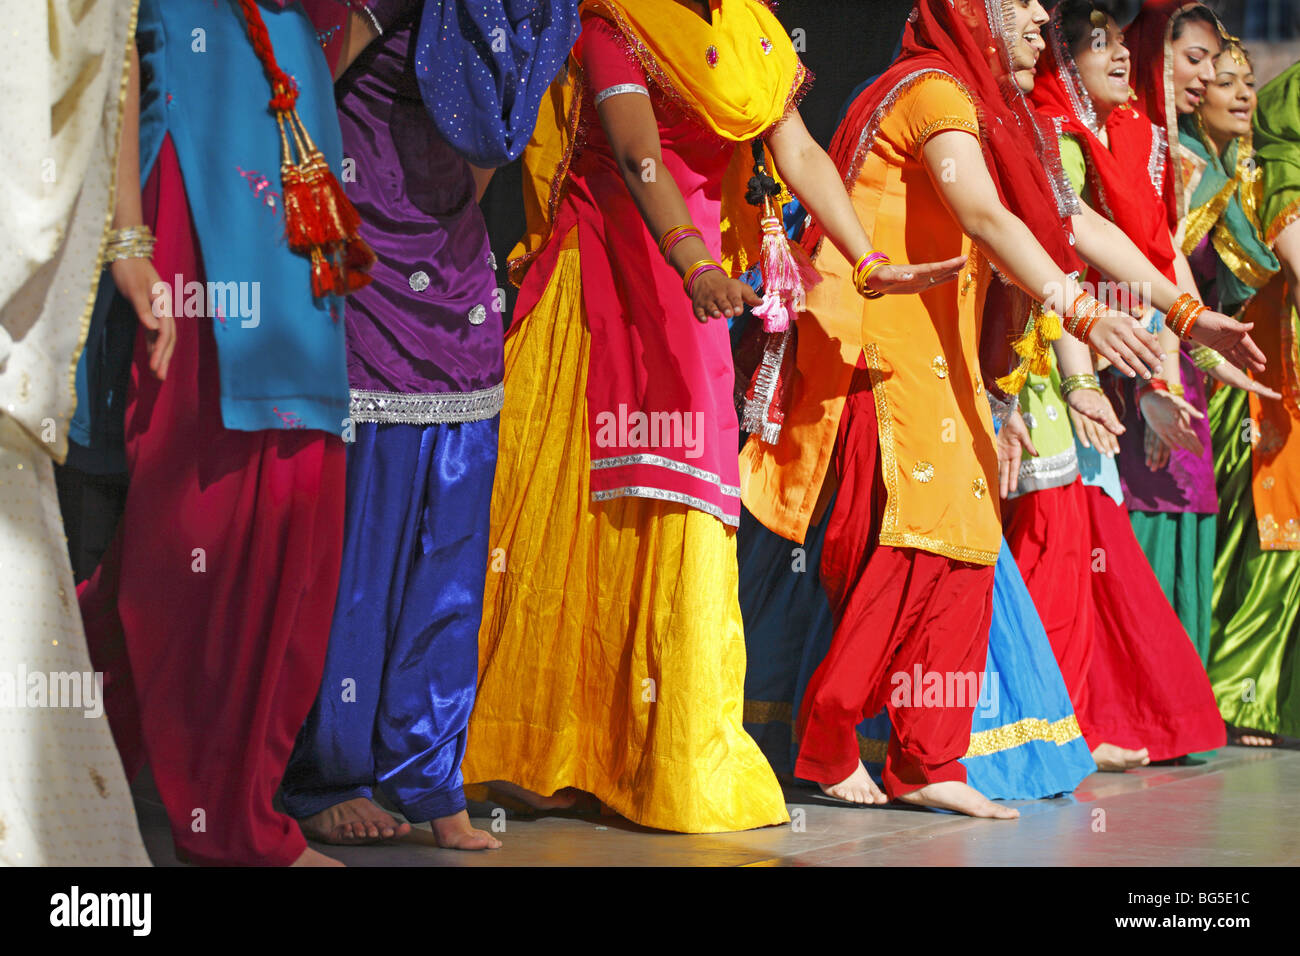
point(1025, 739)
point(1257, 575)
point(1166, 469)
point(911, 149)
point(1090, 586)
point(612, 654)
point(211, 611)
point(424, 357)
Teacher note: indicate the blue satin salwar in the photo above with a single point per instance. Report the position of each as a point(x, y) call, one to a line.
point(402, 665)
point(1023, 705)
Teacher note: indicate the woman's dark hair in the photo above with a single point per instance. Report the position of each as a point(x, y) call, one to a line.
point(1080, 17)
point(1196, 14)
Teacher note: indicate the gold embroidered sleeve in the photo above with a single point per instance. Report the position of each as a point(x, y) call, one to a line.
point(942, 125)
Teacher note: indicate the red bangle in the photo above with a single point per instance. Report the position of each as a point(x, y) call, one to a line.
point(1152, 385)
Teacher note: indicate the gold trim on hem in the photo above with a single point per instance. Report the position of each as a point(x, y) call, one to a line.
point(1237, 259)
point(768, 712)
point(1060, 732)
point(872, 749)
point(1201, 220)
point(1289, 214)
point(906, 539)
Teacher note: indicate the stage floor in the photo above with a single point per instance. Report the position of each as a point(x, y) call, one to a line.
point(1237, 808)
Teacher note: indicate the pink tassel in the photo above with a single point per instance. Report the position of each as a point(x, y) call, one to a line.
point(787, 276)
point(775, 316)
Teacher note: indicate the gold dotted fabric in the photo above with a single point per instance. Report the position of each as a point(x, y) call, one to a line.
point(64, 799)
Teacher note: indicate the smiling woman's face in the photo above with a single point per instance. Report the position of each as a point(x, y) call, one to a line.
point(1193, 53)
point(1028, 17)
point(1103, 62)
point(1229, 102)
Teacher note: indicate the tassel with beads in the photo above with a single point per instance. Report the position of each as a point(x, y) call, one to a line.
point(320, 222)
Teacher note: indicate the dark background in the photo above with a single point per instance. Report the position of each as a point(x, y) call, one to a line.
point(847, 41)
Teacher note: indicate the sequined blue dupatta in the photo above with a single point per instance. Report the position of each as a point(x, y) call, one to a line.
point(484, 67)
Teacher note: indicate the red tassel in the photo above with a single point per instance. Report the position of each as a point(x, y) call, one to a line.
point(358, 257)
point(320, 222)
point(322, 275)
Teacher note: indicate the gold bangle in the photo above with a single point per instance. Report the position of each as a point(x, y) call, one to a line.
point(1087, 382)
point(1205, 358)
point(675, 235)
point(863, 270)
point(697, 269)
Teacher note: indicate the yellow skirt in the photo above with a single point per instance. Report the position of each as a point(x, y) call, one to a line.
point(612, 653)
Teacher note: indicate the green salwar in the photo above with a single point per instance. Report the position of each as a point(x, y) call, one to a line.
point(1253, 640)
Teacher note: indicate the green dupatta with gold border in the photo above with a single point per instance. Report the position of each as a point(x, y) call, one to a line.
point(1226, 207)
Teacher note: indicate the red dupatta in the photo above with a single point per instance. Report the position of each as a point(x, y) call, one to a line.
point(1149, 39)
point(968, 40)
point(1117, 175)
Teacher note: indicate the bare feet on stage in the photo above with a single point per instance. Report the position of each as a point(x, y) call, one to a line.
point(858, 787)
point(1112, 759)
point(456, 833)
point(1245, 737)
point(311, 857)
point(951, 795)
point(352, 823)
point(560, 800)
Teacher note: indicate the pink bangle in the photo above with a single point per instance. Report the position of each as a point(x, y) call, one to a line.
point(694, 273)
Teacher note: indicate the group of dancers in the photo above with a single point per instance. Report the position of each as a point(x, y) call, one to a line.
point(964, 451)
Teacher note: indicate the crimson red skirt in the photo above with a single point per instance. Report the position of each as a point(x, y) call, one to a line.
point(1133, 675)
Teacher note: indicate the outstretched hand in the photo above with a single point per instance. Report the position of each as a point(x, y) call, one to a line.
point(1229, 374)
point(1155, 451)
point(1094, 420)
point(1229, 338)
point(1130, 348)
point(1013, 443)
point(1170, 418)
point(910, 279)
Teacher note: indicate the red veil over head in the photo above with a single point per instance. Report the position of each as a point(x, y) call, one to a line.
point(1150, 41)
point(969, 40)
point(1118, 175)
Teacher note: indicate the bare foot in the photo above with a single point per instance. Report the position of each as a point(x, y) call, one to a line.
point(951, 795)
point(857, 787)
point(560, 800)
point(455, 833)
point(1112, 759)
point(311, 857)
point(351, 823)
point(1246, 737)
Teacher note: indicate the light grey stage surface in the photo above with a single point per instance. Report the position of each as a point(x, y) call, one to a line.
point(1240, 807)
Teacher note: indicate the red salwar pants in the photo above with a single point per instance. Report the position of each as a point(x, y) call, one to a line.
point(1133, 674)
point(899, 613)
point(210, 613)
